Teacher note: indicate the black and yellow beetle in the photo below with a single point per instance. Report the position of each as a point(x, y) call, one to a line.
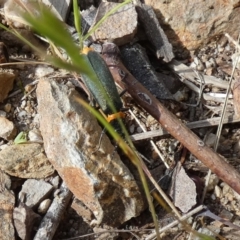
point(105, 91)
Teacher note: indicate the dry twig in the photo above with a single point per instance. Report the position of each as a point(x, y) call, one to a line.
point(177, 129)
point(54, 214)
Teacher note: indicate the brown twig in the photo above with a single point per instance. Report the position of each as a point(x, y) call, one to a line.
point(177, 129)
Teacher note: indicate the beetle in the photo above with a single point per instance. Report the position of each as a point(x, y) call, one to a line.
point(105, 92)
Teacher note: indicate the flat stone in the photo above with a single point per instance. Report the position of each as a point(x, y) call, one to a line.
point(192, 23)
point(6, 84)
point(94, 174)
point(88, 17)
point(120, 27)
point(24, 219)
point(137, 62)
point(154, 32)
point(34, 191)
point(7, 129)
point(183, 190)
point(25, 161)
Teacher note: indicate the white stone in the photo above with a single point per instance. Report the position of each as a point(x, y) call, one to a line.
point(217, 191)
point(7, 129)
point(44, 205)
point(35, 135)
point(42, 71)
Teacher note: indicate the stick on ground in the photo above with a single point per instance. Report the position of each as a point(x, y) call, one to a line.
point(177, 129)
point(54, 214)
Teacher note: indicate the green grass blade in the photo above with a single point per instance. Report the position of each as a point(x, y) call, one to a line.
point(53, 29)
point(18, 35)
point(57, 62)
point(77, 21)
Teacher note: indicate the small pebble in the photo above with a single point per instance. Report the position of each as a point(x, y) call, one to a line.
point(220, 49)
point(139, 130)
point(23, 104)
point(229, 196)
point(204, 58)
point(3, 114)
point(213, 181)
point(44, 205)
point(150, 121)
point(225, 189)
point(236, 57)
point(55, 181)
point(193, 65)
point(180, 96)
point(28, 88)
point(35, 135)
point(236, 195)
point(131, 129)
point(226, 214)
point(227, 48)
point(28, 109)
point(209, 71)
point(200, 65)
point(42, 71)
point(213, 197)
point(7, 107)
point(208, 64)
point(70, 85)
point(217, 191)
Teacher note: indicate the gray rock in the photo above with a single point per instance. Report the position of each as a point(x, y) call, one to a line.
point(154, 32)
point(95, 174)
point(136, 60)
point(3, 113)
point(24, 219)
point(183, 190)
point(120, 27)
point(34, 191)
